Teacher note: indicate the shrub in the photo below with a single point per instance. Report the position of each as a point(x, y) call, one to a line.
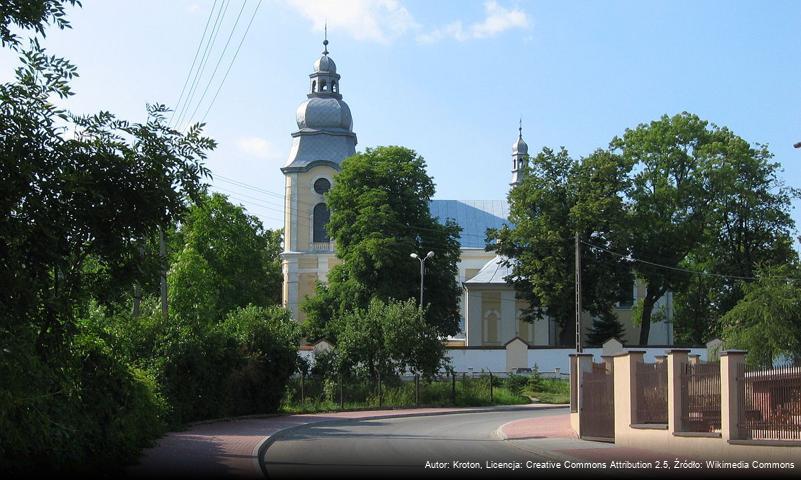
point(267, 340)
point(516, 384)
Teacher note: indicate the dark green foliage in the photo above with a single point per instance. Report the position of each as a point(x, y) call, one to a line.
point(223, 259)
point(31, 15)
point(84, 384)
point(94, 413)
point(558, 197)
point(767, 321)
point(604, 328)
point(379, 215)
point(516, 383)
point(268, 340)
point(388, 339)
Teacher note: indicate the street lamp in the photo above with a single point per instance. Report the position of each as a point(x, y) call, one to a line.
point(422, 271)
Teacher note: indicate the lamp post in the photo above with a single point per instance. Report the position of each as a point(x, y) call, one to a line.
point(422, 271)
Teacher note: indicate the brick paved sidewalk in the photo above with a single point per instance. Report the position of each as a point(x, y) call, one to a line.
point(230, 448)
point(553, 437)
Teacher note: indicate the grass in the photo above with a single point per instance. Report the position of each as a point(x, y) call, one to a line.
point(551, 390)
point(470, 392)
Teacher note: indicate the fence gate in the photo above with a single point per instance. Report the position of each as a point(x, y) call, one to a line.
point(597, 406)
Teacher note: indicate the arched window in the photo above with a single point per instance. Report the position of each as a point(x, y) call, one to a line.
point(321, 216)
point(314, 85)
point(323, 86)
point(334, 87)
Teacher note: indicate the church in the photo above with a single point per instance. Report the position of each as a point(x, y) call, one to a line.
point(490, 311)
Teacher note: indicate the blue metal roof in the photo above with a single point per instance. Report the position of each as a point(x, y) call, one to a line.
point(474, 216)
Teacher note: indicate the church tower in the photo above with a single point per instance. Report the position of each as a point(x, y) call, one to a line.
point(324, 138)
point(519, 157)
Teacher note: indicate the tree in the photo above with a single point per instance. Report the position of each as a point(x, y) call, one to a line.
point(79, 195)
point(749, 224)
point(31, 15)
point(666, 205)
point(557, 198)
point(767, 322)
point(388, 339)
point(379, 215)
point(603, 328)
point(224, 259)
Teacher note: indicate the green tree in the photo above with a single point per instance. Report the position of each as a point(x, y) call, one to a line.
point(31, 15)
point(666, 211)
point(78, 197)
point(379, 215)
point(557, 198)
point(224, 259)
point(388, 339)
point(603, 328)
point(748, 224)
point(767, 321)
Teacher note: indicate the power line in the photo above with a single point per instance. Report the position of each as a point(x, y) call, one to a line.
point(217, 65)
point(679, 269)
point(232, 62)
point(201, 68)
point(194, 60)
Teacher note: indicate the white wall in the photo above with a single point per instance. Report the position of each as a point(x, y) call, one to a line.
point(546, 359)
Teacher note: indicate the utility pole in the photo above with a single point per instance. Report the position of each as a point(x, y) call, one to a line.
point(578, 294)
point(163, 255)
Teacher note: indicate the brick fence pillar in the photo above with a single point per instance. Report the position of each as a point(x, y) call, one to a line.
point(676, 360)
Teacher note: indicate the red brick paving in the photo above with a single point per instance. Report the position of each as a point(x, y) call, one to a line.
point(552, 426)
point(230, 448)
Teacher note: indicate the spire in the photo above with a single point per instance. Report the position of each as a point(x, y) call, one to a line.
point(519, 155)
point(325, 40)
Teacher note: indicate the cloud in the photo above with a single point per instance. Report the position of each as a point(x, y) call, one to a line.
point(376, 20)
point(497, 20)
point(257, 147)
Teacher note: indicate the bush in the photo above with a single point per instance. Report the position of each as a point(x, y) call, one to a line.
point(90, 413)
point(516, 384)
point(122, 410)
point(267, 339)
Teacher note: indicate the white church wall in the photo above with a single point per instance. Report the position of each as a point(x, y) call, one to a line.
point(546, 359)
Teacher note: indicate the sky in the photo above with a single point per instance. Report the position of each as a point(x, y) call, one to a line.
point(450, 79)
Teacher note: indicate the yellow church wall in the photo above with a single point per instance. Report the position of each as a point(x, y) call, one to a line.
point(306, 286)
point(307, 199)
point(308, 262)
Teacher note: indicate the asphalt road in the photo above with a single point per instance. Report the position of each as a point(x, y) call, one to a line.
point(400, 447)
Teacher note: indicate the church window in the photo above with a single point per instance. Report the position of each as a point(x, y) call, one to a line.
point(321, 217)
point(314, 85)
point(323, 86)
point(322, 185)
point(334, 87)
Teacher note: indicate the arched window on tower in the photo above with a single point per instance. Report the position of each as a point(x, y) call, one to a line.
point(321, 216)
point(334, 87)
point(323, 86)
point(314, 85)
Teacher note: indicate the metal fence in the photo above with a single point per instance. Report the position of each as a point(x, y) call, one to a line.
point(700, 397)
point(770, 403)
point(651, 392)
point(316, 392)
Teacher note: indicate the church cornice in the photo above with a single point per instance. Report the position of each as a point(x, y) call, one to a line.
point(310, 165)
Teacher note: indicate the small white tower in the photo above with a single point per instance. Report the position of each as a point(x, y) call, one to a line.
point(519, 157)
